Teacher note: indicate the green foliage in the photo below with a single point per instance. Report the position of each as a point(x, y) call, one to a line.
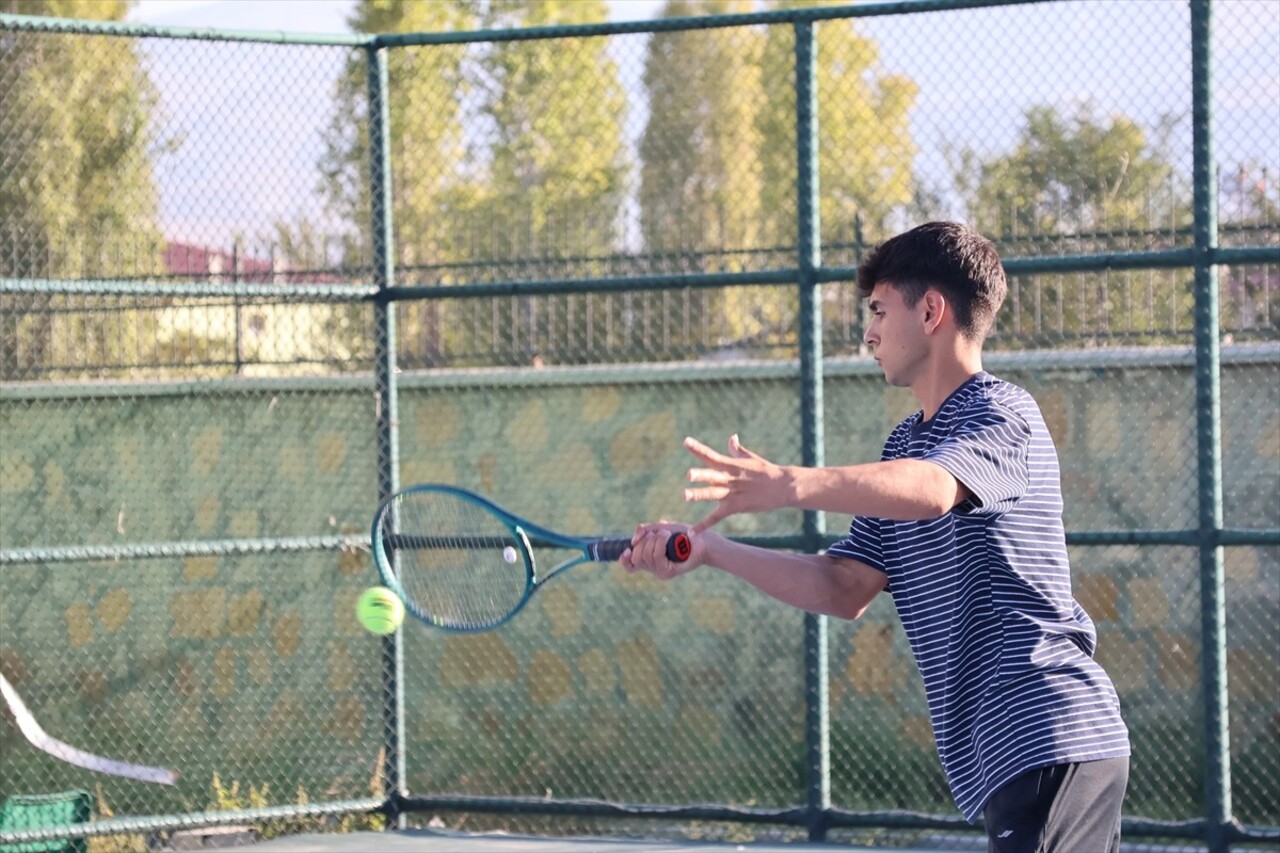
point(82, 108)
point(427, 92)
point(1249, 208)
point(77, 194)
point(122, 843)
point(1075, 173)
point(513, 153)
point(556, 179)
point(866, 152)
point(502, 152)
point(427, 89)
point(555, 183)
point(700, 182)
point(1084, 183)
point(230, 799)
point(719, 158)
point(227, 798)
point(700, 179)
point(719, 154)
point(866, 156)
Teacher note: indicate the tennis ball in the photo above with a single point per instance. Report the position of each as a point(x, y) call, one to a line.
point(379, 610)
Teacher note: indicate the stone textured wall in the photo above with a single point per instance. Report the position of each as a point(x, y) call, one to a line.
point(609, 685)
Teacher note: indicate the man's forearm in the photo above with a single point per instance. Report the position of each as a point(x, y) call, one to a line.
point(902, 489)
point(818, 584)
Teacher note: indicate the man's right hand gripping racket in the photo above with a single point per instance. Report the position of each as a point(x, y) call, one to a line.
point(462, 563)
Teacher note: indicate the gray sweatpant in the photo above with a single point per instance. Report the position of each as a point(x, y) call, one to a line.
point(1066, 808)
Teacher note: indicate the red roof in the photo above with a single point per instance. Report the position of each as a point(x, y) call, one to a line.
point(188, 261)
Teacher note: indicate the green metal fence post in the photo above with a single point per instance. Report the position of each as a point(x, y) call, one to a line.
point(1209, 439)
point(387, 395)
point(817, 696)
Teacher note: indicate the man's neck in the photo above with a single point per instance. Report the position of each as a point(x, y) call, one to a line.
point(942, 377)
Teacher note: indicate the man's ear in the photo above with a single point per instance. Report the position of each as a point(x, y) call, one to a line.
point(935, 308)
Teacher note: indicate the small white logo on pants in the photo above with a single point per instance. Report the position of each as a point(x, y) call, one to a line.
point(1005, 834)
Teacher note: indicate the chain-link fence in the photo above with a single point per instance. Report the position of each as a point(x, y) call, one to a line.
point(251, 282)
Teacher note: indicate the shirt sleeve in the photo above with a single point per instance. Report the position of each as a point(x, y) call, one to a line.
point(987, 452)
point(862, 544)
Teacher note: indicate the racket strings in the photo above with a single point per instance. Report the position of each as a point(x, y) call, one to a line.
point(458, 564)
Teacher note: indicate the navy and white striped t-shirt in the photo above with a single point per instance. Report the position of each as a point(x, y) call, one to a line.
point(984, 595)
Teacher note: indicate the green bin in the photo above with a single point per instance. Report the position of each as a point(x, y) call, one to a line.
point(40, 811)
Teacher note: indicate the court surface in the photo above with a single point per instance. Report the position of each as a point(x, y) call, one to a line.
point(447, 841)
point(439, 841)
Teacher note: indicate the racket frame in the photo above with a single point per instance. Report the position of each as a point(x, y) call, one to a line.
point(524, 532)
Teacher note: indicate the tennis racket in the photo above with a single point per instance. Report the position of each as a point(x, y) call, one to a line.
point(462, 563)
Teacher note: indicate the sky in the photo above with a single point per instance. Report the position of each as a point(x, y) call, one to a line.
point(266, 189)
point(978, 72)
point(322, 16)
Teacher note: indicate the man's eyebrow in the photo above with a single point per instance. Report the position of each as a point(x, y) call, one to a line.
point(874, 304)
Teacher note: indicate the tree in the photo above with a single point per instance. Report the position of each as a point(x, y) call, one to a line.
point(1083, 183)
point(700, 171)
point(556, 179)
point(1075, 174)
point(501, 152)
point(719, 153)
point(427, 92)
point(557, 169)
point(866, 152)
point(77, 194)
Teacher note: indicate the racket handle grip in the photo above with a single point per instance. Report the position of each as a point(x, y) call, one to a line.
point(679, 547)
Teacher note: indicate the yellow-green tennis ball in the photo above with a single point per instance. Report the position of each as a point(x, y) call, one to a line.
point(379, 610)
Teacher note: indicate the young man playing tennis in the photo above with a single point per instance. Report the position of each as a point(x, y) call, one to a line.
point(961, 521)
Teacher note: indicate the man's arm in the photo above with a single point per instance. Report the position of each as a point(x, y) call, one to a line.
point(901, 489)
point(834, 586)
